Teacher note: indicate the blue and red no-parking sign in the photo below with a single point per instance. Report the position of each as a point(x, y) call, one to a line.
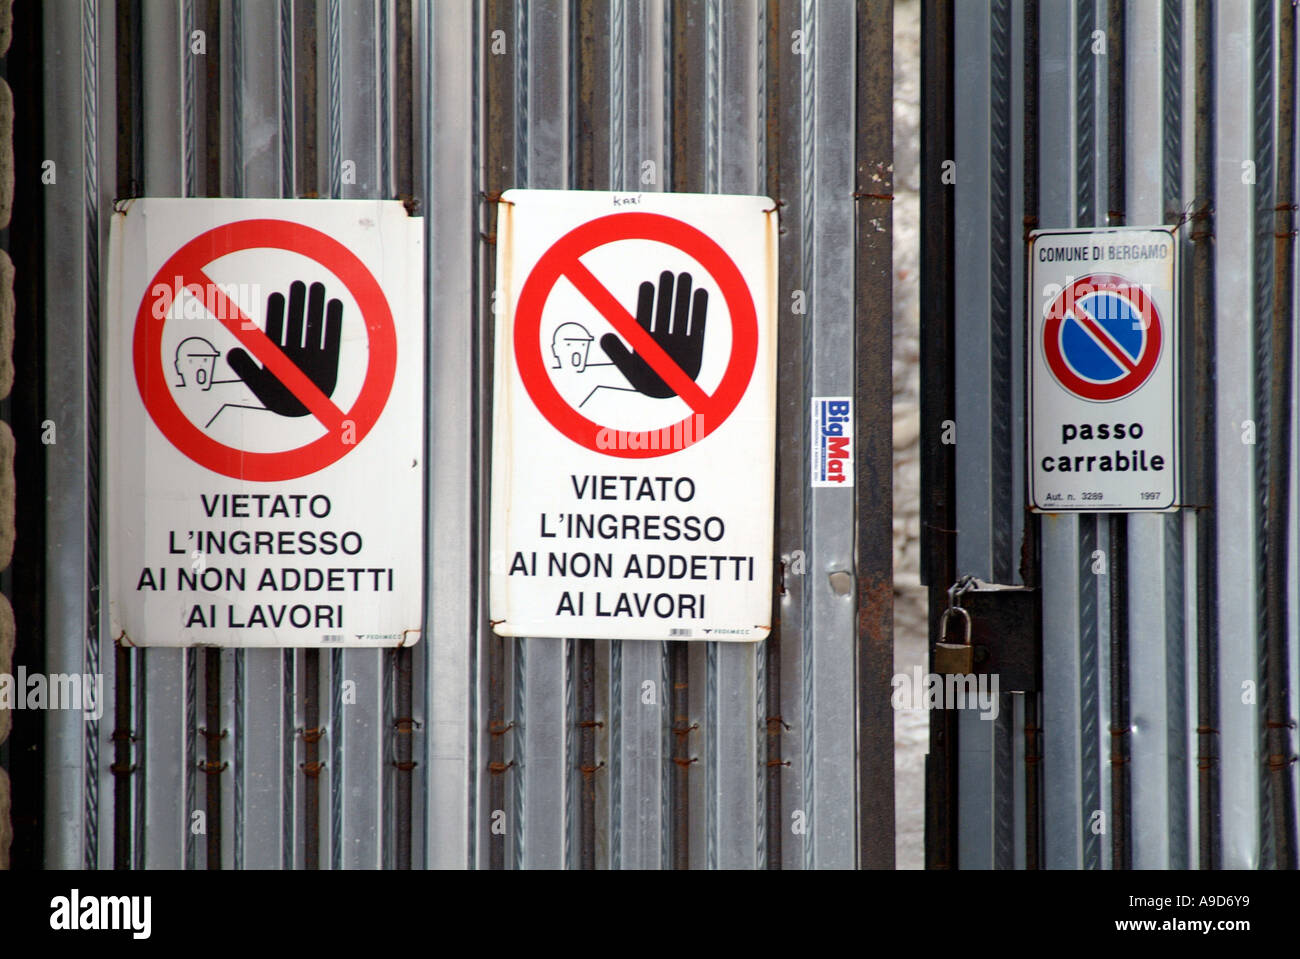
point(1102, 337)
point(1103, 370)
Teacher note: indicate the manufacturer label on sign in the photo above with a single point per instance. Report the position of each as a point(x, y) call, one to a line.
point(264, 389)
point(633, 437)
point(1103, 370)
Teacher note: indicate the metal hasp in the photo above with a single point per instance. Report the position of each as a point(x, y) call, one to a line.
point(1006, 631)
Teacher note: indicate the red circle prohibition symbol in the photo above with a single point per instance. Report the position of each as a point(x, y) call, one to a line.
point(189, 263)
point(562, 260)
point(1067, 307)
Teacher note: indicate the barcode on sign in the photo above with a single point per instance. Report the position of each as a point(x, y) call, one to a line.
point(680, 633)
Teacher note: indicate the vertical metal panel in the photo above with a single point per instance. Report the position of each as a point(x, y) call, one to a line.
point(785, 716)
point(1159, 775)
point(357, 721)
point(257, 762)
point(1066, 819)
point(828, 219)
point(988, 40)
point(1007, 554)
point(445, 655)
point(1189, 648)
point(638, 759)
point(263, 765)
point(974, 64)
point(1095, 701)
point(1019, 782)
point(66, 611)
point(542, 666)
point(359, 736)
point(99, 73)
point(258, 115)
point(163, 775)
point(734, 721)
point(1091, 206)
point(1237, 498)
point(971, 108)
point(1262, 199)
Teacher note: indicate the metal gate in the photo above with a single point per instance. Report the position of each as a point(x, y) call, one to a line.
point(1163, 735)
point(469, 750)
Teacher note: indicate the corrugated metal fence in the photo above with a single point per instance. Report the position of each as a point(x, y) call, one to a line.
point(1169, 700)
point(471, 750)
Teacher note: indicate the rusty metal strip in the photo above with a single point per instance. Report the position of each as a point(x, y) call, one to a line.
point(591, 137)
point(122, 767)
point(212, 734)
point(498, 174)
point(404, 123)
point(304, 101)
point(130, 172)
point(212, 99)
point(1030, 543)
point(1280, 750)
point(789, 466)
point(681, 754)
point(311, 764)
point(403, 762)
point(401, 166)
point(873, 399)
point(305, 151)
point(938, 488)
point(686, 54)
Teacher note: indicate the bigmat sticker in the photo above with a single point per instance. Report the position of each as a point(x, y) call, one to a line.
point(633, 427)
point(264, 367)
point(1103, 370)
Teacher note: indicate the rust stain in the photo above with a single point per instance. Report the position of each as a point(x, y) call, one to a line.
point(876, 608)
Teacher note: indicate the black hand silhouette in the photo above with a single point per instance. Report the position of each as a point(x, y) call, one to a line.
point(316, 354)
point(680, 332)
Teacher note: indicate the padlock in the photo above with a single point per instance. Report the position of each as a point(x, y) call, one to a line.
point(954, 659)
